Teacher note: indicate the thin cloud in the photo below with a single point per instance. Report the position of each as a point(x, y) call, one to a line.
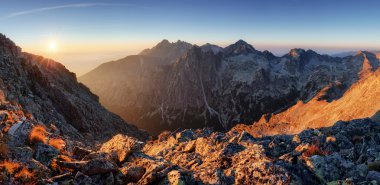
point(38, 10)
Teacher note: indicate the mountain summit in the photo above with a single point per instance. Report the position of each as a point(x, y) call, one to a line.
point(168, 51)
point(239, 47)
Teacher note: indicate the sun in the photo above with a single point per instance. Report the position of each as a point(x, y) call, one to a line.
point(52, 46)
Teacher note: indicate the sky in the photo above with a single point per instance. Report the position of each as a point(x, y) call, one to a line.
point(84, 34)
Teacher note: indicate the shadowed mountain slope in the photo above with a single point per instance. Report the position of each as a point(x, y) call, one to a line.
point(52, 94)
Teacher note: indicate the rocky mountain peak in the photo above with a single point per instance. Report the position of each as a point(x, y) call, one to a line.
point(269, 55)
point(296, 52)
point(365, 54)
point(164, 42)
point(239, 48)
point(360, 53)
point(168, 51)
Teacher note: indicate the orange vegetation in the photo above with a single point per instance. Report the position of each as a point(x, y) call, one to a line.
point(57, 143)
point(10, 166)
point(314, 150)
point(361, 100)
point(55, 167)
point(38, 134)
point(6, 129)
point(24, 175)
point(330, 139)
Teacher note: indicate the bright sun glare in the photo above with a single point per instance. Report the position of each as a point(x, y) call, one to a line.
point(52, 46)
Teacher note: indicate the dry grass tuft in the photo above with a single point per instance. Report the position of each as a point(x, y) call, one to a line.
point(314, 150)
point(55, 167)
point(331, 139)
point(6, 128)
point(57, 143)
point(24, 175)
point(10, 166)
point(38, 134)
point(64, 158)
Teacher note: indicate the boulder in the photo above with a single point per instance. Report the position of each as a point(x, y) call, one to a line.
point(98, 166)
point(190, 146)
point(82, 179)
point(22, 154)
point(373, 176)
point(45, 153)
point(329, 168)
point(133, 173)
point(121, 146)
point(80, 152)
point(20, 134)
point(185, 135)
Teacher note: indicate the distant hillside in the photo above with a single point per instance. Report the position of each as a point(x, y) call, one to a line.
point(352, 53)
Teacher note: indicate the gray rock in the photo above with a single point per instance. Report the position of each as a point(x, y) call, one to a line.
point(82, 179)
point(22, 154)
point(45, 153)
point(120, 147)
point(133, 173)
point(98, 166)
point(373, 176)
point(21, 134)
point(80, 152)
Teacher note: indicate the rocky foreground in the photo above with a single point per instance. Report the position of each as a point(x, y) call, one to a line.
point(348, 152)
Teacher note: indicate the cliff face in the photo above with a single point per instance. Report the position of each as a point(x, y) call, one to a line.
point(51, 93)
point(218, 87)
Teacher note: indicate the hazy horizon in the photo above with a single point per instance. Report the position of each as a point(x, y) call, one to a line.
point(84, 34)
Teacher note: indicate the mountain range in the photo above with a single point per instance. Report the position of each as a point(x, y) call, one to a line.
point(180, 85)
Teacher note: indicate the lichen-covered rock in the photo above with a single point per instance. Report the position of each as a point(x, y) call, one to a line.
point(133, 173)
point(121, 146)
